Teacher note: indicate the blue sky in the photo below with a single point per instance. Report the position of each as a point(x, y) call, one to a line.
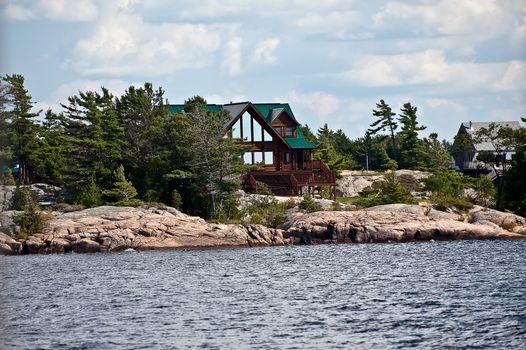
point(332, 60)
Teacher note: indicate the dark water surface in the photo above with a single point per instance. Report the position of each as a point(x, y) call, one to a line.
point(469, 294)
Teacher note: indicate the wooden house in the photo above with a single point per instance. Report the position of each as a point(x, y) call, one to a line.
point(278, 146)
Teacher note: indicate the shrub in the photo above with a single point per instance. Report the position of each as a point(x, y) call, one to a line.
point(392, 191)
point(30, 220)
point(410, 182)
point(266, 211)
point(91, 196)
point(23, 198)
point(176, 200)
point(128, 203)
point(485, 191)
point(228, 210)
point(9, 180)
point(361, 202)
point(309, 205)
point(444, 202)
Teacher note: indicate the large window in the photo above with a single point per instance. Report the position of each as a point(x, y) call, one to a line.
point(289, 132)
point(269, 158)
point(236, 129)
point(278, 130)
point(258, 157)
point(247, 158)
point(247, 136)
point(266, 136)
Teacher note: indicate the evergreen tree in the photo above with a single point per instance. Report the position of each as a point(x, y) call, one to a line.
point(215, 160)
point(21, 130)
point(50, 155)
point(411, 147)
point(142, 112)
point(122, 188)
point(437, 156)
point(95, 140)
point(385, 121)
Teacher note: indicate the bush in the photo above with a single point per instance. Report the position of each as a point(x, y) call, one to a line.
point(448, 183)
point(485, 191)
point(228, 210)
point(176, 200)
point(267, 211)
point(443, 203)
point(91, 196)
point(392, 191)
point(309, 205)
point(410, 182)
point(128, 203)
point(9, 180)
point(30, 221)
point(23, 198)
point(361, 202)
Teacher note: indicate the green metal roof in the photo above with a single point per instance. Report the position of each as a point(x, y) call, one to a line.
point(265, 109)
point(299, 141)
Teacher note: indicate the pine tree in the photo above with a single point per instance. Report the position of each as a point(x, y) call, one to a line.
point(215, 160)
point(19, 122)
point(412, 148)
point(122, 188)
point(385, 121)
point(95, 140)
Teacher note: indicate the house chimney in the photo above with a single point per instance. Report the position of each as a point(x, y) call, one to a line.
point(470, 128)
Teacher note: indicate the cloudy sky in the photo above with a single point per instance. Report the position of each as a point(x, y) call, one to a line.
point(332, 60)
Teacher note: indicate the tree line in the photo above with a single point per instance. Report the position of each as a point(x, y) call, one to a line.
point(383, 147)
point(107, 149)
point(126, 149)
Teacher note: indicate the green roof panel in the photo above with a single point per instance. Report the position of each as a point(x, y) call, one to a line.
point(265, 109)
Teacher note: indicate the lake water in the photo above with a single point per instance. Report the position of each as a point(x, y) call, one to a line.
point(464, 294)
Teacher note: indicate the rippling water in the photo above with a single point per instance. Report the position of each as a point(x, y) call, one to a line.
point(466, 294)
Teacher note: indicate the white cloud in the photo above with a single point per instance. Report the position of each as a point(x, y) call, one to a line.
point(54, 10)
point(320, 103)
point(124, 44)
point(15, 12)
point(451, 17)
point(514, 77)
point(427, 67)
point(337, 23)
point(265, 51)
point(231, 64)
point(64, 10)
point(72, 88)
point(444, 103)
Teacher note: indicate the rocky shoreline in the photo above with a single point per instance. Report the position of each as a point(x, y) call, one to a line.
point(106, 229)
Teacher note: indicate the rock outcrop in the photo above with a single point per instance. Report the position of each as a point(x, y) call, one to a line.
point(394, 223)
point(108, 228)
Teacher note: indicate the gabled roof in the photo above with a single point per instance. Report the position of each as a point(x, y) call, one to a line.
point(272, 110)
point(269, 111)
point(472, 127)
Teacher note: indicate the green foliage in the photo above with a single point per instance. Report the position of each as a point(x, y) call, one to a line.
point(123, 189)
point(91, 196)
point(391, 190)
point(362, 201)
point(436, 156)
point(228, 210)
point(9, 180)
point(23, 198)
point(176, 200)
point(448, 183)
point(384, 122)
point(267, 211)
point(514, 189)
point(447, 189)
point(412, 149)
point(391, 164)
point(309, 205)
point(128, 203)
point(31, 220)
point(485, 191)
point(18, 127)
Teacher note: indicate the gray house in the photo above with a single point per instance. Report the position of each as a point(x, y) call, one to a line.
point(465, 150)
